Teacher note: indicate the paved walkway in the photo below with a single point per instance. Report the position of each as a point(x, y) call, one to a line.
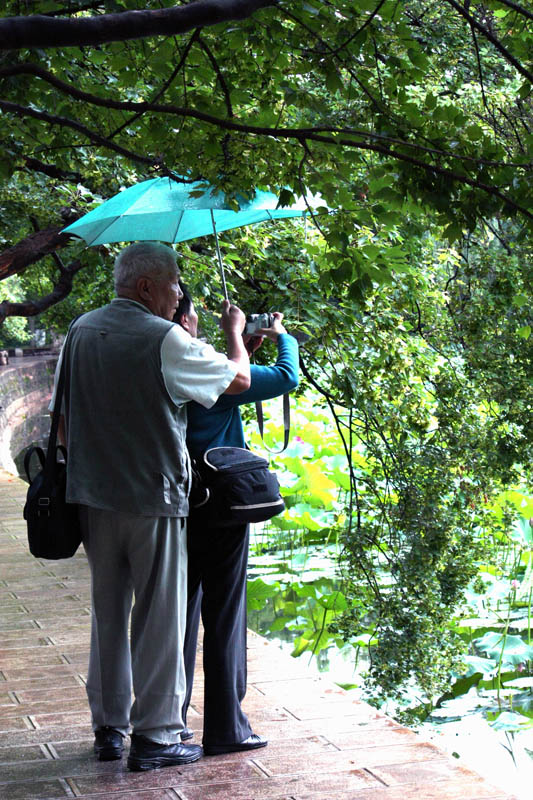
point(323, 745)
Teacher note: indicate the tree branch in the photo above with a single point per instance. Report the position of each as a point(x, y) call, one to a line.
point(519, 9)
point(221, 79)
point(51, 170)
point(359, 30)
point(165, 86)
point(491, 38)
point(227, 124)
point(23, 111)
point(42, 31)
point(299, 134)
point(30, 308)
point(34, 247)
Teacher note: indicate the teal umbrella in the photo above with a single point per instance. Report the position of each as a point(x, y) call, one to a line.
point(168, 210)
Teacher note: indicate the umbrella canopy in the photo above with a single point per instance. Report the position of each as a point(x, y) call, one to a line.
point(162, 209)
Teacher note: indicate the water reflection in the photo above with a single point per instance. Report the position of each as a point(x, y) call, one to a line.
point(291, 591)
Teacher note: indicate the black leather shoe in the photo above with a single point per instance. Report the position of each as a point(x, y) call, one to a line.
point(251, 743)
point(186, 734)
point(108, 744)
point(146, 754)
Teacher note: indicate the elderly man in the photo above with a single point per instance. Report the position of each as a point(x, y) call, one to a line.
point(129, 374)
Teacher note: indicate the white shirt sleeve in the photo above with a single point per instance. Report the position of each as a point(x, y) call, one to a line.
point(193, 370)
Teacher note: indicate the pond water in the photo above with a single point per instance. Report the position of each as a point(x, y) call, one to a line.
point(459, 726)
point(305, 567)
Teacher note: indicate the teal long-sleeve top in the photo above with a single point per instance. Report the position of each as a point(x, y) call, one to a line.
point(221, 425)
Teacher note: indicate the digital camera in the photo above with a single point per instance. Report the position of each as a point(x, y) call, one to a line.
point(256, 321)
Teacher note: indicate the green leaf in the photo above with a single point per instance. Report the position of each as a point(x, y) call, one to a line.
point(286, 197)
point(453, 232)
point(510, 721)
point(334, 602)
point(280, 623)
point(521, 683)
point(301, 644)
point(514, 649)
point(525, 90)
point(474, 132)
point(484, 666)
point(258, 591)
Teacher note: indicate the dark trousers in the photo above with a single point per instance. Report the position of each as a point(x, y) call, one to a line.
point(217, 562)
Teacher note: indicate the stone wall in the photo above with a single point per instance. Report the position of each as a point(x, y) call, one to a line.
point(25, 391)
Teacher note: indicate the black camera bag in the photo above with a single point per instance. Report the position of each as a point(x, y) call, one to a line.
point(232, 485)
point(54, 529)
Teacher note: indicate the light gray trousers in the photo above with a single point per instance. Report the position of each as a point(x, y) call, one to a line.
point(144, 558)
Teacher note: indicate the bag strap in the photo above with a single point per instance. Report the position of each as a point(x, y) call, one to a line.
point(27, 459)
point(286, 423)
point(51, 451)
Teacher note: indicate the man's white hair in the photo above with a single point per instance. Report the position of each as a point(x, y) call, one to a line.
point(152, 259)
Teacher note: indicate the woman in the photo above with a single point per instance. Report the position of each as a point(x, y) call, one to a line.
point(218, 558)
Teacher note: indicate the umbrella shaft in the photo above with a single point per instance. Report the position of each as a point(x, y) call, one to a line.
point(219, 254)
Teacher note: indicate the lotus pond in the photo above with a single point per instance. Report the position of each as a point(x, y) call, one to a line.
point(295, 593)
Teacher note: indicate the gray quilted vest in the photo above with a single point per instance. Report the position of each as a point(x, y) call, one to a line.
point(126, 437)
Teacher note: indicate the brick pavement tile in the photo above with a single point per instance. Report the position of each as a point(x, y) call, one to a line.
point(388, 735)
point(74, 690)
point(37, 675)
point(262, 670)
point(33, 580)
point(37, 736)
point(34, 657)
point(13, 754)
point(307, 745)
point(63, 599)
point(286, 787)
point(60, 719)
point(205, 771)
point(305, 687)
point(268, 714)
point(34, 600)
point(450, 791)
point(38, 638)
point(286, 729)
point(7, 701)
point(42, 710)
point(329, 710)
point(18, 624)
point(397, 754)
point(8, 726)
point(36, 790)
point(60, 624)
point(421, 773)
point(81, 747)
point(51, 615)
point(47, 769)
point(155, 794)
point(80, 660)
point(287, 763)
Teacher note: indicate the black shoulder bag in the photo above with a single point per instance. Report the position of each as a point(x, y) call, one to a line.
point(53, 524)
point(232, 486)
